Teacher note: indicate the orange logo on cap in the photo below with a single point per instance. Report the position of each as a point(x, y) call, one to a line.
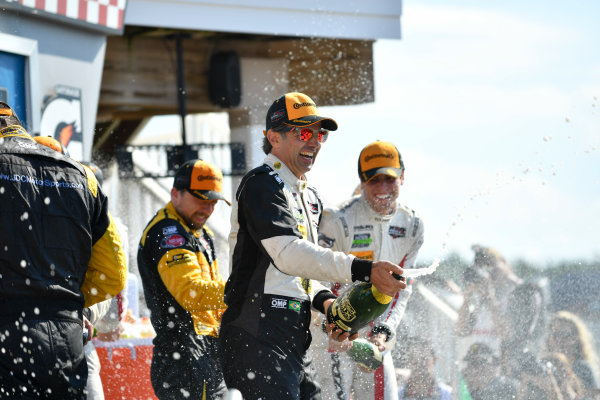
point(206, 177)
point(299, 105)
point(379, 155)
point(369, 158)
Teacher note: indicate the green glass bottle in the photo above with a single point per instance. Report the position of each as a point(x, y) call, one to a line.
point(357, 307)
point(366, 354)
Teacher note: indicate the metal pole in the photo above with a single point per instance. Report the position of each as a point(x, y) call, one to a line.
point(181, 86)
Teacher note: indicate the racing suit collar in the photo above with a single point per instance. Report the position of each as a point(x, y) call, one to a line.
point(171, 210)
point(284, 172)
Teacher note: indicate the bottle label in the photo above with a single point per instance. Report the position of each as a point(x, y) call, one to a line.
point(342, 325)
point(343, 310)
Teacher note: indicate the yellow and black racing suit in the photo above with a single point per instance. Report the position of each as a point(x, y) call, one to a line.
point(184, 291)
point(59, 251)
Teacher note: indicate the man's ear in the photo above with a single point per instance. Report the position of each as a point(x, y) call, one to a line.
point(273, 137)
point(175, 194)
point(402, 178)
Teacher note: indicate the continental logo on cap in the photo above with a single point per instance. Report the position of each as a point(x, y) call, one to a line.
point(298, 105)
point(208, 177)
point(382, 155)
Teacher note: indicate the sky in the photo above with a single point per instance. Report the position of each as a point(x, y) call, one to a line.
point(494, 107)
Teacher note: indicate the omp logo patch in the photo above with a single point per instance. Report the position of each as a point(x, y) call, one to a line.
point(172, 241)
point(362, 240)
point(279, 303)
point(363, 228)
point(396, 232)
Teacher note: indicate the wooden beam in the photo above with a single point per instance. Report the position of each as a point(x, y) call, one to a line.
point(139, 78)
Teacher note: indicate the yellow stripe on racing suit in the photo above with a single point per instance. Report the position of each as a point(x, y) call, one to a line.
point(107, 270)
point(184, 262)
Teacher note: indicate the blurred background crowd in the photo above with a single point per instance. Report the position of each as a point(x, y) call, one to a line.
point(484, 329)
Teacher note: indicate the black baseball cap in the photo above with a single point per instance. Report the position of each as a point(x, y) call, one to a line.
point(296, 109)
point(202, 179)
point(379, 158)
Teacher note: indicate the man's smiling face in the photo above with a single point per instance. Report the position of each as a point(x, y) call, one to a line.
point(298, 155)
point(381, 193)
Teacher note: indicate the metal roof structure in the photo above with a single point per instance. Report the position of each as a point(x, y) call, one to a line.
point(341, 19)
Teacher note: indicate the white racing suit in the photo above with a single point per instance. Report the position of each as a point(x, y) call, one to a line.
point(356, 229)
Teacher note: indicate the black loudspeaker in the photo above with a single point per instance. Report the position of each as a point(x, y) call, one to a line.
point(224, 84)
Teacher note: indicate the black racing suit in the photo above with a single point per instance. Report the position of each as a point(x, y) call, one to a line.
point(59, 251)
point(265, 330)
point(184, 291)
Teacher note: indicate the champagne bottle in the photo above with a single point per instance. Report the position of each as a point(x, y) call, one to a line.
point(357, 307)
point(366, 354)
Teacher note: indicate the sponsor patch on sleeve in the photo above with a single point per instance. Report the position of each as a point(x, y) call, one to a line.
point(396, 231)
point(294, 305)
point(178, 259)
point(362, 240)
point(168, 230)
point(279, 303)
point(172, 241)
point(276, 175)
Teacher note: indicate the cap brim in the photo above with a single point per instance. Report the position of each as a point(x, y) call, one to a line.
point(370, 174)
point(308, 120)
point(208, 195)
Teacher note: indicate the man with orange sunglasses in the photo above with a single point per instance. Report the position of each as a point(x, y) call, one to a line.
point(270, 293)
